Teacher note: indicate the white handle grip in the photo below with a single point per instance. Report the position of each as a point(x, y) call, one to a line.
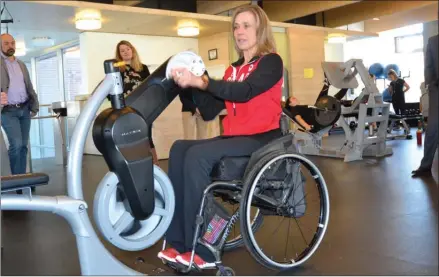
point(186, 59)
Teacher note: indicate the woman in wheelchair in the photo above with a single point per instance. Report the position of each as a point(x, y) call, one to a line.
point(251, 92)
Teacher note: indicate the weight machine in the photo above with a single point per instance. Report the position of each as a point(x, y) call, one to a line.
point(357, 144)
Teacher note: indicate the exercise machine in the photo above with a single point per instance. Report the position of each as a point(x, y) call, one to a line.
point(357, 144)
point(134, 202)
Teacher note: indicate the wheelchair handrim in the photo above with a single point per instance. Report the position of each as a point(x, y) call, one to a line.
point(323, 218)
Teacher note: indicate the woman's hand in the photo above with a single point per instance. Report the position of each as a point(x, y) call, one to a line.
point(184, 78)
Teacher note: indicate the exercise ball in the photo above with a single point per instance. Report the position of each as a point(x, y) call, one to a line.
point(377, 70)
point(386, 95)
point(392, 66)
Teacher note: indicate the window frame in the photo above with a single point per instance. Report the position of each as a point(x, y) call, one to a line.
point(397, 41)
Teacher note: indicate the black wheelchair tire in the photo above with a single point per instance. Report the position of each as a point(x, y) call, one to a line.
point(247, 186)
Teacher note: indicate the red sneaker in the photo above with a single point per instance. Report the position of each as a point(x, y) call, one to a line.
point(186, 258)
point(168, 254)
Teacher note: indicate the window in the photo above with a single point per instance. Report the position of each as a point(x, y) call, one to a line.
point(409, 44)
point(72, 72)
point(48, 88)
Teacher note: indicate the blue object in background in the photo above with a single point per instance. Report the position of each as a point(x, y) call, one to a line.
point(377, 70)
point(386, 95)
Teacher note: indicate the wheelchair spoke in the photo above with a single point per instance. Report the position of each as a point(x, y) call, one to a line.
point(123, 222)
point(300, 229)
point(288, 236)
point(277, 228)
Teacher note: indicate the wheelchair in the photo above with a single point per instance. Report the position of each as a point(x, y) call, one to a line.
point(134, 202)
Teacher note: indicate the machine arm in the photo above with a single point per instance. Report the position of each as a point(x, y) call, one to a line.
point(121, 133)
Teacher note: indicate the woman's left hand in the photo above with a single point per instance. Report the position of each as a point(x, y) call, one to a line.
point(184, 78)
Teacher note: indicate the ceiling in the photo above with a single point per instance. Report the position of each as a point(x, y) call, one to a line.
point(334, 14)
point(404, 18)
point(55, 19)
point(32, 20)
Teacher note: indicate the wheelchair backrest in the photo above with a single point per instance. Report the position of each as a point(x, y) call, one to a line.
point(283, 142)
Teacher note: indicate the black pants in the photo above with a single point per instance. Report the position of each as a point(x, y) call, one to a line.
point(190, 165)
point(398, 104)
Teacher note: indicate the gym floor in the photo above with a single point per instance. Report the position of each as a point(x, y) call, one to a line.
point(382, 222)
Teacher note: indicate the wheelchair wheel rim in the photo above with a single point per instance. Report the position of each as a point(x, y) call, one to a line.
point(323, 219)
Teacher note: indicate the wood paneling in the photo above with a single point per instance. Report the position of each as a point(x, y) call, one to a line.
point(306, 51)
point(365, 10)
point(221, 42)
point(286, 10)
point(216, 7)
point(218, 41)
point(401, 19)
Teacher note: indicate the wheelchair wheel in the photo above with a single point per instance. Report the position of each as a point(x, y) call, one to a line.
point(236, 241)
point(262, 185)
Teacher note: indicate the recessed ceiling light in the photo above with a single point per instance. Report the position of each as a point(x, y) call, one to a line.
point(88, 20)
point(376, 18)
point(43, 41)
point(188, 31)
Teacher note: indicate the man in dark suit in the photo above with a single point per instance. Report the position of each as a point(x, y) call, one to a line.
point(431, 81)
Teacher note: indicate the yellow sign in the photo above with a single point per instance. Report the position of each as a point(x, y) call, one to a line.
point(308, 73)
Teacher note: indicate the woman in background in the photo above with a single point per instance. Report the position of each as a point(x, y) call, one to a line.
point(397, 88)
point(133, 74)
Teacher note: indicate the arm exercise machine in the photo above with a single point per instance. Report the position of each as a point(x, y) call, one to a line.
point(121, 134)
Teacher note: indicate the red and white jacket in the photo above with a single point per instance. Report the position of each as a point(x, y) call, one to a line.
point(253, 103)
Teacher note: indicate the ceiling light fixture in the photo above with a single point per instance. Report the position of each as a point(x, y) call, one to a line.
point(43, 41)
point(375, 18)
point(188, 31)
point(88, 20)
point(336, 38)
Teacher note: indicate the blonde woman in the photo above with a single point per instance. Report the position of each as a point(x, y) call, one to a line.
point(251, 90)
point(133, 74)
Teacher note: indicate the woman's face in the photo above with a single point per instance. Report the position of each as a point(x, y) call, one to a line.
point(244, 30)
point(125, 52)
point(392, 77)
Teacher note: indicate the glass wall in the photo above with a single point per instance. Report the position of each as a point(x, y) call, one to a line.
point(71, 58)
point(56, 77)
point(402, 46)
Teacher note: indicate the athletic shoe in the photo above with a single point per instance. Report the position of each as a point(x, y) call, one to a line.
point(168, 254)
point(186, 258)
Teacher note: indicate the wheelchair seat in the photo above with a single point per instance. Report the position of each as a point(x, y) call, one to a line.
point(234, 168)
point(230, 168)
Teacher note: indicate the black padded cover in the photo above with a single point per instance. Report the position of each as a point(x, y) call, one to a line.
point(23, 180)
point(230, 169)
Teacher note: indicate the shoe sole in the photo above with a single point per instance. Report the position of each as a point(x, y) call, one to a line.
point(186, 263)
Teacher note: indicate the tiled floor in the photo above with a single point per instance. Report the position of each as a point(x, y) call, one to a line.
point(382, 222)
